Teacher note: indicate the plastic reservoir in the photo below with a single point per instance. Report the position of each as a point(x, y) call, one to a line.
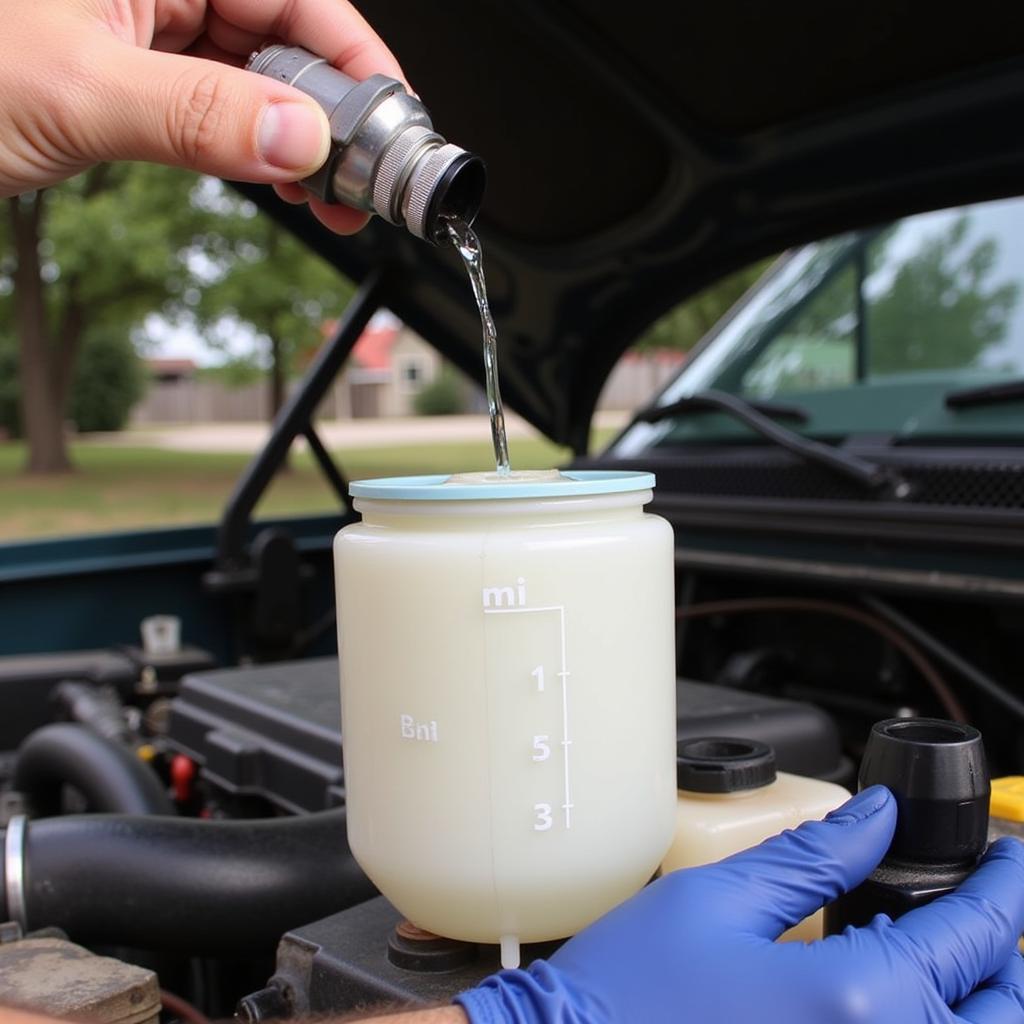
point(731, 798)
point(508, 697)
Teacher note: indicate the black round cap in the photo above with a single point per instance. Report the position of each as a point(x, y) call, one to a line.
point(723, 764)
point(938, 773)
point(458, 193)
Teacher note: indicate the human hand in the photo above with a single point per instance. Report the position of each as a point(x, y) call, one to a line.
point(86, 81)
point(698, 945)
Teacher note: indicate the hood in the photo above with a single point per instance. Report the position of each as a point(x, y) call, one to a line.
point(637, 152)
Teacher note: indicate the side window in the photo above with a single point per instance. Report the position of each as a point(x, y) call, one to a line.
point(814, 349)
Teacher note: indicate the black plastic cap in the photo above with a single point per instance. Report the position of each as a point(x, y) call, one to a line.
point(938, 773)
point(721, 764)
point(458, 194)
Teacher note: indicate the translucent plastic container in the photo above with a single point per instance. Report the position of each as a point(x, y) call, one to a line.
point(508, 697)
point(732, 798)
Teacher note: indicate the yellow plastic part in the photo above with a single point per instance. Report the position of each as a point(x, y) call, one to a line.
point(147, 752)
point(1008, 798)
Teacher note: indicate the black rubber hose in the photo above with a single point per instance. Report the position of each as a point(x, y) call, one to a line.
point(108, 775)
point(207, 888)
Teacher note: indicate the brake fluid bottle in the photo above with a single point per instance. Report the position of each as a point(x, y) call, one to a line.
point(508, 697)
point(731, 798)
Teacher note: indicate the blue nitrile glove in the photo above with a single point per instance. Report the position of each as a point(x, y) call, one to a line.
point(696, 947)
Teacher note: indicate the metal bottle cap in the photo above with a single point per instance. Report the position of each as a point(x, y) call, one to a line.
point(385, 156)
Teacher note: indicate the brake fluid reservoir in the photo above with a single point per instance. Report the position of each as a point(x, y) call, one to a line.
point(508, 697)
point(731, 798)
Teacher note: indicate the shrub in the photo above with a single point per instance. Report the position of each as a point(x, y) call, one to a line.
point(109, 379)
point(443, 396)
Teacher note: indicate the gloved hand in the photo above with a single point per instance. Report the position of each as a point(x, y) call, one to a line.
point(697, 946)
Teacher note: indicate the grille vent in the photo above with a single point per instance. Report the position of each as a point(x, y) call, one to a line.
point(951, 485)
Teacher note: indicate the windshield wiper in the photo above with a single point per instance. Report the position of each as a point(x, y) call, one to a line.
point(711, 401)
point(986, 394)
point(756, 415)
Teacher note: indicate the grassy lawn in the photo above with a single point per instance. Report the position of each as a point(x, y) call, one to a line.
point(123, 488)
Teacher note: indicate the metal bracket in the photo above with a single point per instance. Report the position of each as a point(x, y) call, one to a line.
point(294, 419)
point(14, 869)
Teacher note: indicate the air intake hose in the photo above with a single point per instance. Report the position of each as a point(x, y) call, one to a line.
point(183, 884)
point(108, 775)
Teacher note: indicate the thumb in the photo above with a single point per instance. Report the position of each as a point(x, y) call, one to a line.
point(796, 873)
point(203, 115)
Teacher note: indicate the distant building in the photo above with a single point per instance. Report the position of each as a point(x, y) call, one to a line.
point(638, 377)
point(170, 371)
point(390, 364)
point(170, 396)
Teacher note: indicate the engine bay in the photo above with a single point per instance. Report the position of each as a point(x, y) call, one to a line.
point(190, 820)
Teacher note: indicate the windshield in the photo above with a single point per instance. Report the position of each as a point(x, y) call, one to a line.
point(868, 332)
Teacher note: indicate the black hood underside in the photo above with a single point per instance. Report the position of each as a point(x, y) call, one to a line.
point(637, 152)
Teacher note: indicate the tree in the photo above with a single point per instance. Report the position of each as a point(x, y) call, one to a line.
point(98, 252)
point(260, 276)
point(107, 249)
point(10, 419)
point(109, 379)
point(941, 310)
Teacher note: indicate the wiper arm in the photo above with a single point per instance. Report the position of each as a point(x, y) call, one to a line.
point(986, 394)
point(752, 414)
point(711, 401)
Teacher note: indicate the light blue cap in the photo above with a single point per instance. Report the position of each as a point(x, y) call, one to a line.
point(570, 483)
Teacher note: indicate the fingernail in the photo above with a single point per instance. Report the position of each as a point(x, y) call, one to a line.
point(863, 805)
point(294, 136)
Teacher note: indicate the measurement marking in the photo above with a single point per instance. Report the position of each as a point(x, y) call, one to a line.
point(564, 676)
point(566, 742)
point(514, 611)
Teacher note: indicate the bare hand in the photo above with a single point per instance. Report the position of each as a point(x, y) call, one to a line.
point(86, 81)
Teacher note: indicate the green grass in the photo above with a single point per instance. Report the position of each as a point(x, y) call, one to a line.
point(115, 488)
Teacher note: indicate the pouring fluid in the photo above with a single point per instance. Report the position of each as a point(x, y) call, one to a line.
point(468, 245)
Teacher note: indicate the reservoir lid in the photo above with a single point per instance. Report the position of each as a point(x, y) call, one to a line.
point(723, 764)
point(569, 483)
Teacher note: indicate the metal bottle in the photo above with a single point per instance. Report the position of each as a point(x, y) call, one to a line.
point(385, 156)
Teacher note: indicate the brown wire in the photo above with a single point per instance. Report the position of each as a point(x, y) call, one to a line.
point(928, 672)
point(182, 1008)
